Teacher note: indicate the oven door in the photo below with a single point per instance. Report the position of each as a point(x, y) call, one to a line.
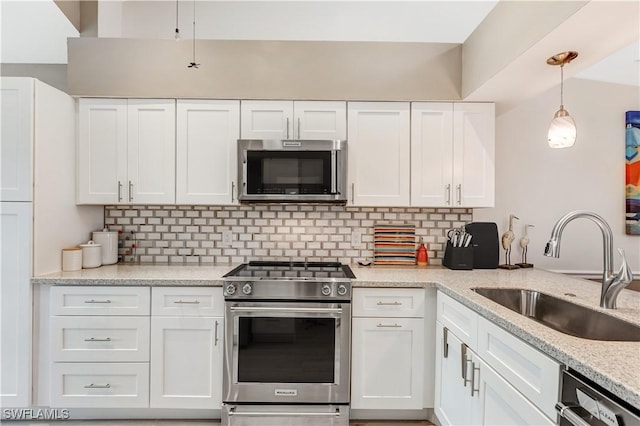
point(287, 352)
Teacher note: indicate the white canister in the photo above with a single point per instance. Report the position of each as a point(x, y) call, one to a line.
point(109, 242)
point(91, 255)
point(71, 259)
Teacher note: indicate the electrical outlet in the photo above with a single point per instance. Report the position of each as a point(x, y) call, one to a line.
point(227, 236)
point(356, 239)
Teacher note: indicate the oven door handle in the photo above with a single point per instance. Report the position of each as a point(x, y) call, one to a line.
point(281, 413)
point(571, 416)
point(286, 310)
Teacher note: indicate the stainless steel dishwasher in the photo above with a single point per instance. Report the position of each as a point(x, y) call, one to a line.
point(584, 403)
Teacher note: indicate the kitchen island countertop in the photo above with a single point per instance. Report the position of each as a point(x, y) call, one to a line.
point(614, 365)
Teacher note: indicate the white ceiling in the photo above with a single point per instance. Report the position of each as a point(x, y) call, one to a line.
point(35, 31)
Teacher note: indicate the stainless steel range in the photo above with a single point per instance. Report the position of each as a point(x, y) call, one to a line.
point(288, 339)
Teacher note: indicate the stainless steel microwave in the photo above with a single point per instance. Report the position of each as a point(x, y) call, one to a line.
point(294, 171)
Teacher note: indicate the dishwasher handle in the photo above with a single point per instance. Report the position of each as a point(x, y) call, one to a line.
point(571, 416)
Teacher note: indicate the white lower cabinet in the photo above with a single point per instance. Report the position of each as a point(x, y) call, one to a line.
point(186, 347)
point(136, 347)
point(100, 356)
point(499, 403)
point(453, 402)
point(388, 349)
point(489, 376)
point(186, 362)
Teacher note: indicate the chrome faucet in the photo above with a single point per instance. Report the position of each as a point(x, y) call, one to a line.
point(612, 284)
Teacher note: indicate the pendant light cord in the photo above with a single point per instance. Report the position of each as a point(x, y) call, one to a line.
point(177, 33)
point(562, 86)
point(194, 31)
point(193, 62)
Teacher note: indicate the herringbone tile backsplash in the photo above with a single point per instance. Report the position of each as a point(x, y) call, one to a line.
point(194, 234)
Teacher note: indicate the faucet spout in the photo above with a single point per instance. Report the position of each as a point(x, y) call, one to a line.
point(612, 284)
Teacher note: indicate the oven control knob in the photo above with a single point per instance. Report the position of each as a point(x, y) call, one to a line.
point(326, 290)
point(342, 290)
point(230, 289)
point(246, 289)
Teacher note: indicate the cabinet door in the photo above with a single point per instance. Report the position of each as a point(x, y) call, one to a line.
point(206, 165)
point(474, 155)
point(431, 154)
point(378, 140)
point(102, 151)
point(186, 362)
point(320, 120)
point(15, 304)
point(453, 402)
point(266, 120)
point(387, 368)
point(16, 140)
point(500, 403)
point(151, 159)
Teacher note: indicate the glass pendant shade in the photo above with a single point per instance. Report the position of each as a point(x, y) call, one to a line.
point(562, 130)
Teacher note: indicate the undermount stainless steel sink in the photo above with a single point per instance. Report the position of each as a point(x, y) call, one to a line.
point(563, 316)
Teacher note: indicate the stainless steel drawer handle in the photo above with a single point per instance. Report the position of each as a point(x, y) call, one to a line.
point(119, 191)
point(572, 417)
point(285, 310)
point(473, 379)
point(389, 326)
point(187, 302)
point(389, 303)
point(92, 386)
point(97, 301)
point(445, 342)
point(93, 339)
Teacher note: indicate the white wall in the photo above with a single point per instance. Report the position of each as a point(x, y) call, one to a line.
point(58, 222)
point(540, 184)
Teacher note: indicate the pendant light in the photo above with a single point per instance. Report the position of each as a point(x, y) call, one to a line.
point(562, 130)
point(177, 33)
point(193, 64)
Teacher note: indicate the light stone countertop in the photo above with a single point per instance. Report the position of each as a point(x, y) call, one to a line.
point(614, 365)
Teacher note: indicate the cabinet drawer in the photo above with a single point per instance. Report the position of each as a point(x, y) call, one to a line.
point(388, 302)
point(108, 339)
point(73, 300)
point(98, 385)
point(187, 301)
point(459, 319)
point(530, 371)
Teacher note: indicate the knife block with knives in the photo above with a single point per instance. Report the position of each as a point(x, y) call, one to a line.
point(458, 257)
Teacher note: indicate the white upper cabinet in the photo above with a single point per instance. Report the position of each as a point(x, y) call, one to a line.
point(312, 120)
point(379, 153)
point(126, 151)
point(151, 159)
point(102, 151)
point(206, 135)
point(452, 154)
point(16, 140)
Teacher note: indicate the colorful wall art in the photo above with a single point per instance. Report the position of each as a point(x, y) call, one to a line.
point(632, 153)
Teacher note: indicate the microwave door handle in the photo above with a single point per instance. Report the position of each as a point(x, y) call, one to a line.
point(334, 171)
point(242, 190)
